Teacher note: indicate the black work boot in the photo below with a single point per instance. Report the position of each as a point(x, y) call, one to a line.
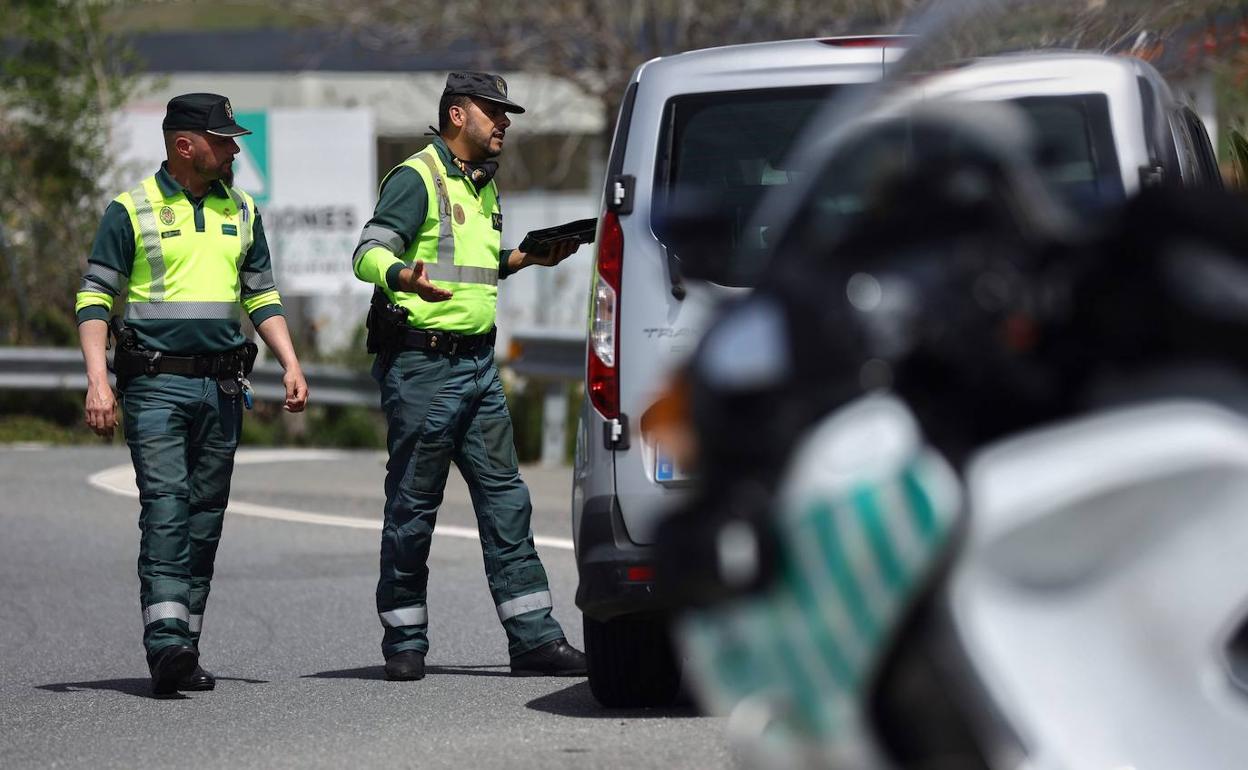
point(557, 658)
point(169, 665)
point(405, 666)
point(199, 680)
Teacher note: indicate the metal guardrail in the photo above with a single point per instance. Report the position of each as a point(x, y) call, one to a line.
point(548, 355)
point(62, 369)
point(538, 355)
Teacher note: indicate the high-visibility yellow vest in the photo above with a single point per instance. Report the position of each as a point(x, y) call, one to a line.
point(183, 272)
point(459, 244)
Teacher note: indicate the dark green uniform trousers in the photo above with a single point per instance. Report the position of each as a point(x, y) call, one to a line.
point(182, 433)
point(439, 409)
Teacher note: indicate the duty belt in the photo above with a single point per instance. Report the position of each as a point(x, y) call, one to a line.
point(129, 362)
point(450, 343)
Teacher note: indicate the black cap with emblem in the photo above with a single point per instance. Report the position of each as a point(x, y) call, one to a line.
point(482, 85)
point(202, 112)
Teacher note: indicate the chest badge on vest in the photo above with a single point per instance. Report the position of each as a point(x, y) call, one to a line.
point(496, 219)
point(459, 214)
point(166, 215)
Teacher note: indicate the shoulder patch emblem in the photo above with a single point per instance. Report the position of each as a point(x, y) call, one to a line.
point(459, 214)
point(166, 215)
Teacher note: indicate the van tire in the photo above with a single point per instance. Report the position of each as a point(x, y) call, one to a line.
point(632, 661)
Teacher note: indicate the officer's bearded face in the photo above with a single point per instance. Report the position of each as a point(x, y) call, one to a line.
point(214, 157)
point(485, 127)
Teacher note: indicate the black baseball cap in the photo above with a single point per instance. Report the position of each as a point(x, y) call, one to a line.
point(482, 85)
point(202, 112)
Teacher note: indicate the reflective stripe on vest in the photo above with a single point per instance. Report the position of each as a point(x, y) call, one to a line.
point(178, 311)
point(149, 234)
point(244, 216)
point(446, 233)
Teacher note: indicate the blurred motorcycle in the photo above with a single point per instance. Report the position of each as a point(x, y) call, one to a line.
point(973, 474)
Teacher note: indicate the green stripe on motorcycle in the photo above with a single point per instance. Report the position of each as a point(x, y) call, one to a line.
point(824, 520)
point(881, 542)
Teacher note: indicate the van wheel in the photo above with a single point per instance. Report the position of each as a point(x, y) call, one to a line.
point(631, 661)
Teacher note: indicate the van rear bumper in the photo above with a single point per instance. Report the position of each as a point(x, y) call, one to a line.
point(616, 574)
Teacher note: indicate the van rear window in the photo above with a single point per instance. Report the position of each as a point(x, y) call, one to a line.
point(1075, 155)
point(730, 148)
point(1076, 147)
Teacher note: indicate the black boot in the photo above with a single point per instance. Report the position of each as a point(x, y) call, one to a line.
point(169, 665)
point(199, 680)
point(557, 658)
point(405, 666)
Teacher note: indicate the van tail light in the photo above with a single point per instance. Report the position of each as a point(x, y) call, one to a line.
point(867, 41)
point(603, 360)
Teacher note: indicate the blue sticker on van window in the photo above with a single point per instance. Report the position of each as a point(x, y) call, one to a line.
point(229, 229)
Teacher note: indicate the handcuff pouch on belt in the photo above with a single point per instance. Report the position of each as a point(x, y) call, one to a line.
point(229, 368)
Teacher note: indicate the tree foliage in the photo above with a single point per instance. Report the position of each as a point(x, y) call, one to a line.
point(597, 43)
point(61, 79)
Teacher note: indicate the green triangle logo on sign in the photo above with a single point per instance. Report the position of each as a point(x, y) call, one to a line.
point(251, 166)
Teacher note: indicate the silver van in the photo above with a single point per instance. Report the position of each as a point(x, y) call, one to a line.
point(722, 119)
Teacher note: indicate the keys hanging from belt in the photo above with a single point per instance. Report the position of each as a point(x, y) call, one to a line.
point(236, 385)
point(248, 394)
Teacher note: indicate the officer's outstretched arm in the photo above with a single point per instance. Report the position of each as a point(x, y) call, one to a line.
point(415, 280)
point(556, 254)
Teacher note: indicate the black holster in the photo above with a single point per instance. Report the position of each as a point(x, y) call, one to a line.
point(386, 324)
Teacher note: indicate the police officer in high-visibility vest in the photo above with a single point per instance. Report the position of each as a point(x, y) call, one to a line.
point(433, 249)
point(183, 247)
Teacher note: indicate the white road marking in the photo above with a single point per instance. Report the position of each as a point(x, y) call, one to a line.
point(119, 480)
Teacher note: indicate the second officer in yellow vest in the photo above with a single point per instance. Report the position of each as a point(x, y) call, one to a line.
point(433, 249)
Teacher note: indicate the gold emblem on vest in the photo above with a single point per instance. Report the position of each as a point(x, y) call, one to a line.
point(459, 214)
point(166, 215)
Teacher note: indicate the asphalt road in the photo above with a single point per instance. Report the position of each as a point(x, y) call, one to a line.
point(291, 633)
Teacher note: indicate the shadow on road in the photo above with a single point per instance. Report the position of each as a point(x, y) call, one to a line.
point(363, 672)
point(139, 687)
point(379, 672)
point(578, 701)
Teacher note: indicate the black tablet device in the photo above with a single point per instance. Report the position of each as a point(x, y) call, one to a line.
point(539, 241)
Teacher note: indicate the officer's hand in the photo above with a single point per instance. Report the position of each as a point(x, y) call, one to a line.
point(296, 390)
point(559, 251)
point(415, 280)
point(101, 409)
